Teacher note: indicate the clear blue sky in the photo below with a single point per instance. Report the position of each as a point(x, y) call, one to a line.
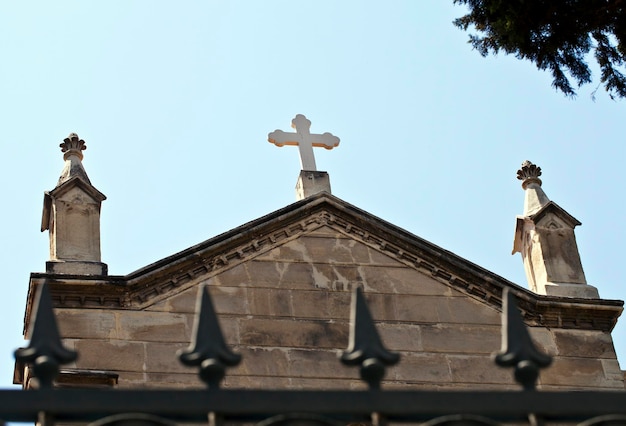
point(175, 100)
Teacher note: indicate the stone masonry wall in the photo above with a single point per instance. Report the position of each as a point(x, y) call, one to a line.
point(286, 311)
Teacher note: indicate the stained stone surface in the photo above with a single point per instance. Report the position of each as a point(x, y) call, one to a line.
point(286, 311)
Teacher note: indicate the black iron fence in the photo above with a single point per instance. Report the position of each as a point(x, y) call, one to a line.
point(208, 352)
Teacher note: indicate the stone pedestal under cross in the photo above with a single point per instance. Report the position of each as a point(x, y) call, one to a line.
point(304, 140)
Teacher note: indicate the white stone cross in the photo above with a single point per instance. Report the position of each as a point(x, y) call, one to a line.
point(304, 140)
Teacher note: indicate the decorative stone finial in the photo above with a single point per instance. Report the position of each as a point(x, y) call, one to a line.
point(529, 173)
point(73, 145)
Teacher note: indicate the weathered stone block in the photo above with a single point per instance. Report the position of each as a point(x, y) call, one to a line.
point(321, 304)
point(612, 371)
point(291, 251)
point(130, 380)
point(478, 370)
point(281, 275)
point(326, 231)
point(583, 343)
point(401, 280)
point(86, 324)
point(421, 367)
point(230, 329)
point(336, 277)
point(255, 382)
point(113, 355)
point(154, 326)
point(269, 302)
point(280, 302)
point(400, 337)
point(262, 362)
point(334, 250)
point(331, 247)
point(421, 309)
point(229, 300)
point(296, 334)
point(234, 276)
point(358, 251)
point(585, 372)
point(315, 384)
point(378, 257)
point(259, 301)
point(183, 302)
point(318, 364)
point(163, 358)
point(339, 304)
point(382, 306)
point(69, 344)
point(447, 386)
point(467, 339)
point(311, 304)
point(465, 310)
point(311, 182)
point(543, 340)
point(76, 267)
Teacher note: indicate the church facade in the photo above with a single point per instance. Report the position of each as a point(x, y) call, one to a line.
point(282, 285)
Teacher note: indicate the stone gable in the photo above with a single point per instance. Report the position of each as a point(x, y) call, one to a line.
point(282, 285)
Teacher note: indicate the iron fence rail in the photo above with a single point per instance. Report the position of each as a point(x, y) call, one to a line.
point(254, 405)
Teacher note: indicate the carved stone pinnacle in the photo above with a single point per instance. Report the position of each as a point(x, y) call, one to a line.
point(529, 173)
point(73, 145)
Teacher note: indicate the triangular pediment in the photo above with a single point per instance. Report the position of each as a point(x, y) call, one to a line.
point(312, 277)
point(327, 244)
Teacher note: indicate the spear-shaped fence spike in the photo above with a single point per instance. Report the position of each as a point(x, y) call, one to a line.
point(45, 352)
point(365, 347)
point(208, 348)
point(518, 349)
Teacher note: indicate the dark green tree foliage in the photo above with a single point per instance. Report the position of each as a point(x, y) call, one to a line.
point(556, 35)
